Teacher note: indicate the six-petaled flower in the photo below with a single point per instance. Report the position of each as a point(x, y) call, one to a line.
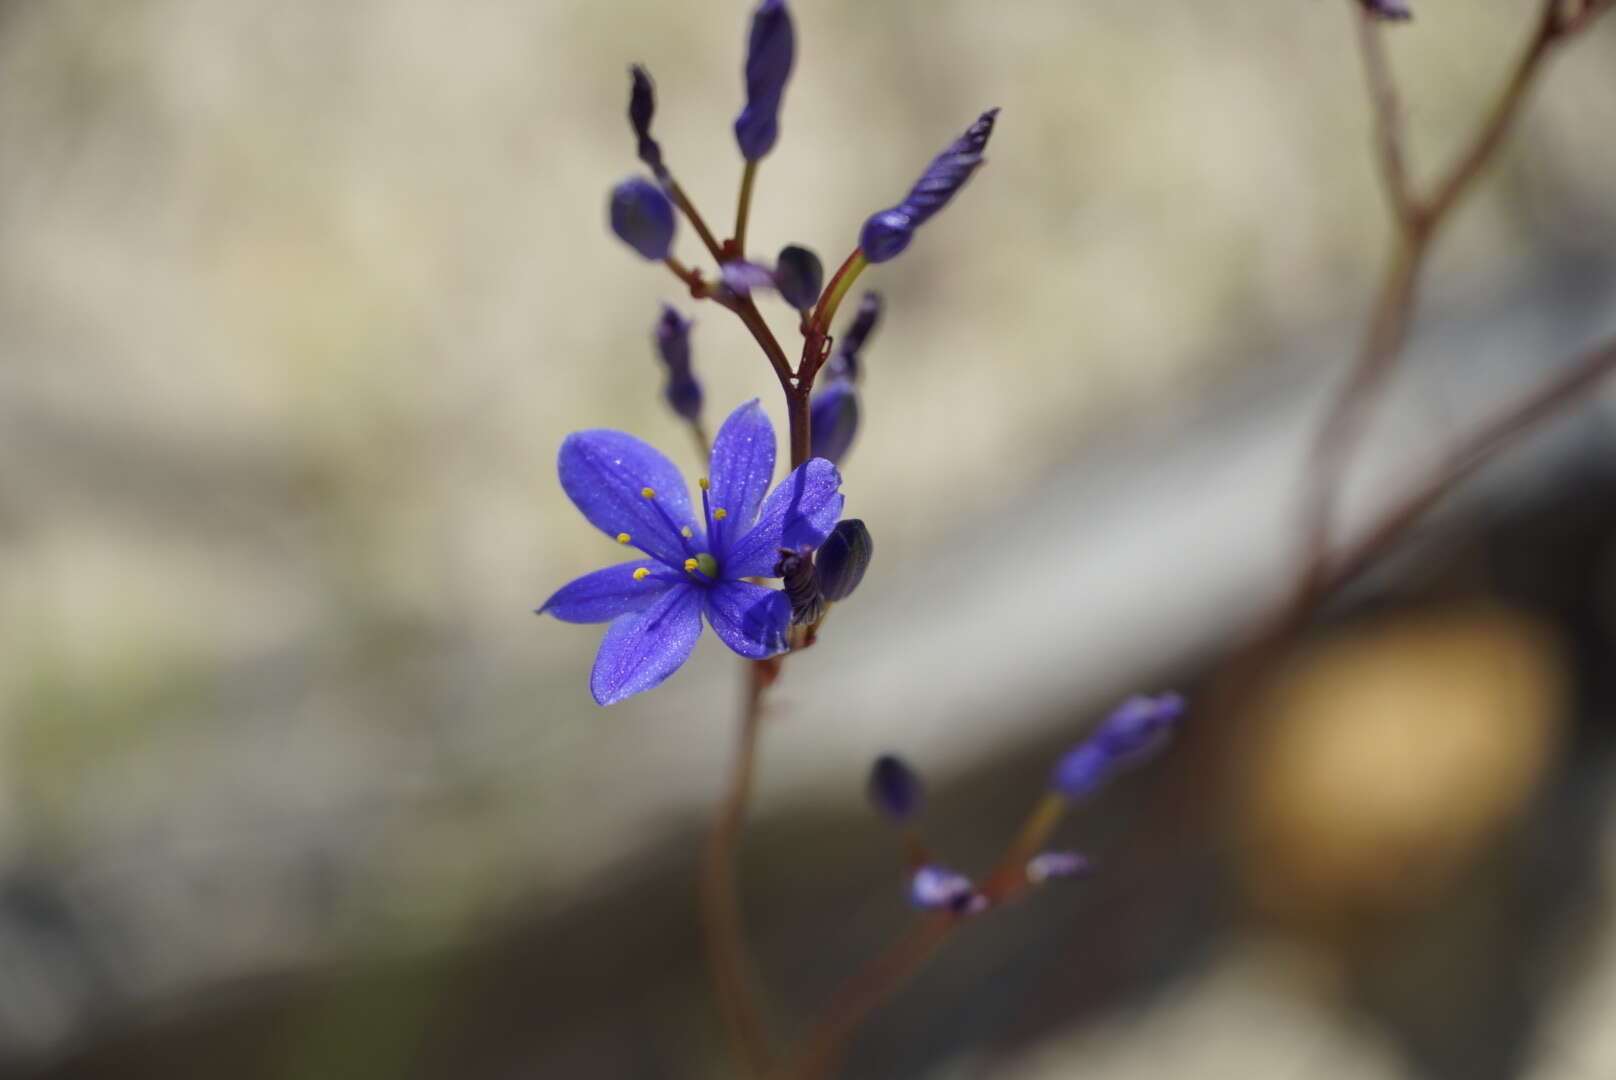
point(697, 562)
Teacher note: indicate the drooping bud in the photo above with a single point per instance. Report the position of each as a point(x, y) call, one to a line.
point(796, 571)
point(741, 277)
point(799, 276)
point(1134, 729)
point(833, 419)
point(843, 558)
point(845, 361)
point(641, 107)
point(935, 887)
point(682, 391)
point(895, 789)
point(887, 233)
point(1390, 10)
point(642, 217)
point(1058, 864)
point(770, 51)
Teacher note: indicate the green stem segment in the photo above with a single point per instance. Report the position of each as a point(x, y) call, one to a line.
point(743, 209)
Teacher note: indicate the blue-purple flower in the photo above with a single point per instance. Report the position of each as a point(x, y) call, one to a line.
point(696, 563)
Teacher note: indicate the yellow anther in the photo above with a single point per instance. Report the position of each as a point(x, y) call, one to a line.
point(702, 480)
point(690, 565)
point(720, 514)
point(623, 538)
point(648, 493)
point(641, 574)
point(685, 532)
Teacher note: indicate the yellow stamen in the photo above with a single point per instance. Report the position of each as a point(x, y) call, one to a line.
point(720, 514)
point(685, 532)
point(690, 565)
point(641, 574)
point(702, 480)
point(648, 493)
point(623, 538)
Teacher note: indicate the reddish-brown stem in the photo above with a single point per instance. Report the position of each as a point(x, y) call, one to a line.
point(1418, 220)
point(720, 910)
point(823, 1047)
point(682, 201)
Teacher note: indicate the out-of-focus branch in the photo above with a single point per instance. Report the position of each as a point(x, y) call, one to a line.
point(720, 911)
point(1417, 220)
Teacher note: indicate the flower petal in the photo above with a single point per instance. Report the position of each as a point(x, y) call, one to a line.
point(605, 472)
point(742, 466)
point(802, 510)
point(606, 594)
point(751, 619)
point(644, 647)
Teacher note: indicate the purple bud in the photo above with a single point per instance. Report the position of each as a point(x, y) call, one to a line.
point(1390, 10)
point(742, 277)
point(641, 107)
point(798, 275)
point(1058, 864)
point(845, 362)
point(895, 789)
point(939, 887)
point(683, 392)
point(1134, 729)
point(842, 560)
point(887, 233)
point(769, 54)
point(833, 419)
point(642, 217)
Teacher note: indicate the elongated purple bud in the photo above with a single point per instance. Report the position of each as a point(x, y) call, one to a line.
point(1134, 729)
point(682, 391)
point(642, 217)
point(1390, 10)
point(895, 789)
point(770, 51)
point(641, 107)
point(843, 558)
point(845, 361)
point(887, 233)
point(799, 275)
point(833, 419)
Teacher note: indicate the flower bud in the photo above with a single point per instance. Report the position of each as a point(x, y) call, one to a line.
point(1134, 729)
point(769, 54)
point(842, 560)
point(939, 887)
point(1390, 10)
point(833, 419)
point(845, 361)
point(741, 277)
point(1058, 864)
point(895, 789)
point(798, 275)
point(887, 233)
point(641, 107)
point(796, 571)
point(682, 392)
point(642, 217)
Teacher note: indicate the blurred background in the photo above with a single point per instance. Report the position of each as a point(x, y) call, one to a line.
point(297, 301)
